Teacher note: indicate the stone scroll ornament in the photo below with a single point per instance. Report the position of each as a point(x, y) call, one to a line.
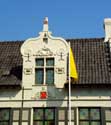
point(27, 54)
point(61, 53)
point(44, 52)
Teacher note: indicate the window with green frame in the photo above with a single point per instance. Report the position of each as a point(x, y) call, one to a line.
point(89, 116)
point(4, 116)
point(44, 116)
point(44, 71)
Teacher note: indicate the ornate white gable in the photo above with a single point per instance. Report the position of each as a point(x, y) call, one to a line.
point(45, 46)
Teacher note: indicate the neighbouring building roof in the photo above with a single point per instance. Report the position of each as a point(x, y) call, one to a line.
point(92, 57)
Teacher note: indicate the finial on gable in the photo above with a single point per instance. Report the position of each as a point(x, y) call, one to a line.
point(45, 25)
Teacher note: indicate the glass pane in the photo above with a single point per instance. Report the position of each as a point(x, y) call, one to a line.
point(83, 114)
point(49, 114)
point(50, 62)
point(39, 76)
point(84, 123)
point(25, 114)
point(39, 62)
point(95, 114)
point(38, 123)
point(61, 123)
point(25, 123)
point(4, 123)
point(50, 76)
point(95, 123)
point(15, 123)
point(38, 114)
point(49, 123)
point(16, 115)
point(72, 123)
point(61, 114)
point(4, 114)
point(108, 114)
point(72, 114)
point(108, 123)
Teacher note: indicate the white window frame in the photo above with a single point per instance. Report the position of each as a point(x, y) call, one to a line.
point(44, 67)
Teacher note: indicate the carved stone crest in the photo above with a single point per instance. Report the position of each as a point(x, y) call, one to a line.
point(44, 52)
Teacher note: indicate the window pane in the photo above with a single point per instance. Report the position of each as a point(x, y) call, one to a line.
point(49, 123)
point(15, 123)
point(108, 123)
point(84, 123)
point(61, 114)
point(61, 123)
point(16, 115)
point(25, 114)
point(39, 75)
point(4, 123)
point(38, 114)
point(4, 114)
point(72, 114)
point(49, 114)
point(25, 123)
point(38, 123)
point(50, 62)
point(83, 114)
point(95, 123)
point(39, 62)
point(72, 123)
point(49, 76)
point(95, 114)
point(108, 114)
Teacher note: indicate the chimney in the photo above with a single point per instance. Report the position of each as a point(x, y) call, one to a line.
point(107, 26)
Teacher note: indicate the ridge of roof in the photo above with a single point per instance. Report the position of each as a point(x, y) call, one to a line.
point(67, 39)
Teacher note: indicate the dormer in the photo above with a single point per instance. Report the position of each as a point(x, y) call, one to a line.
point(44, 60)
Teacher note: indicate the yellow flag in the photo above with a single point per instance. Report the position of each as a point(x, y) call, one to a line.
point(73, 71)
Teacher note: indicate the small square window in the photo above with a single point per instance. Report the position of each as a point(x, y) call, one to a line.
point(50, 62)
point(95, 114)
point(61, 114)
point(40, 62)
point(16, 115)
point(83, 114)
point(4, 114)
point(38, 114)
point(25, 115)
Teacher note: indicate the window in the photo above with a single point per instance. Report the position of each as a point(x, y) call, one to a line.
point(15, 116)
point(89, 116)
point(44, 71)
point(25, 116)
point(63, 116)
point(44, 116)
point(108, 116)
point(4, 116)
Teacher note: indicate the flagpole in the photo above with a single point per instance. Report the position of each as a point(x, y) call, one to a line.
point(69, 89)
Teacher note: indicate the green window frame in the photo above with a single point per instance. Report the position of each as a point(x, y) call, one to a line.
point(89, 116)
point(5, 116)
point(44, 116)
point(44, 71)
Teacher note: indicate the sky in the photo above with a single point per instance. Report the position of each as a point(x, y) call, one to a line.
point(23, 19)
